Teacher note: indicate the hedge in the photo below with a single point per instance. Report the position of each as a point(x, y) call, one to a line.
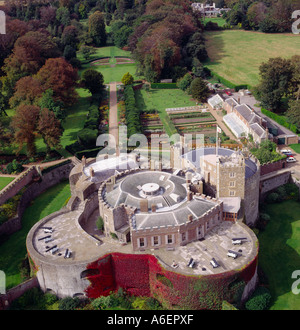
point(164, 86)
point(88, 153)
point(280, 120)
point(132, 114)
point(229, 84)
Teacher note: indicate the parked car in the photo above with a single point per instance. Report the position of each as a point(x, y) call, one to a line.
point(291, 159)
point(228, 92)
point(286, 151)
point(247, 92)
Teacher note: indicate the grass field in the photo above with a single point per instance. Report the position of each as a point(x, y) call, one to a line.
point(279, 253)
point(4, 181)
point(13, 251)
point(237, 54)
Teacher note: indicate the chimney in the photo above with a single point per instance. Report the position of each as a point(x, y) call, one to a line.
point(189, 196)
point(144, 205)
point(190, 218)
point(153, 208)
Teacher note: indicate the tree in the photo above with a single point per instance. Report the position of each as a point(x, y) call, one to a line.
point(293, 112)
point(122, 35)
point(97, 29)
point(27, 91)
point(275, 82)
point(24, 124)
point(184, 82)
point(199, 90)
point(93, 81)
point(50, 129)
point(63, 16)
point(48, 15)
point(29, 55)
point(69, 53)
point(56, 106)
point(57, 74)
point(87, 51)
point(70, 36)
point(295, 81)
point(127, 79)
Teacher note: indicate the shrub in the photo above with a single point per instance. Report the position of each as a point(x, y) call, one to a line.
point(260, 300)
point(87, 137)
point(272, 198)
point(164, 86)
point(102, 302)
point(14, 167)
point(100, 223)
point(68, 303)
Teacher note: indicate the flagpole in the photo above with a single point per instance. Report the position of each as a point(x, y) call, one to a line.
point(217, 141)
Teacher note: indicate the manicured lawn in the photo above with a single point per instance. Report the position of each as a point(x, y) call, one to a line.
point(279, 253)
point(295, 147)
point(109, 51)
point(13, 251)
point(75, 119)
point(237, 54)
point(115, 73)
point(110, 73)
point(219, 20)
point(4, 181)
point(160, 99)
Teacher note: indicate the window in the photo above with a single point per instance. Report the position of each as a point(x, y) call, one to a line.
point(169, 239)
point(231, 193)
point(198, 231)
point(232, 175)
point(183, 237)
point(142, 242)
point(106, 218)
point(232, 183)
point(155, 240)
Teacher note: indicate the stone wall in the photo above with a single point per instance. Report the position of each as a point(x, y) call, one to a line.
point(273, 183)
point(251, 199)
point(17, 184)
point(35, 189)
point(271, 167)
point(16, 292)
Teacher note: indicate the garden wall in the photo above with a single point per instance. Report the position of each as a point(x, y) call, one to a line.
point(16, 292)
point(51, 178)
point(17, 184)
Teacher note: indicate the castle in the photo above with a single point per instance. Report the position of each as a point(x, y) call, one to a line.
point(180, 223)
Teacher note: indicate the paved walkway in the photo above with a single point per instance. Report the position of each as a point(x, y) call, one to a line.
point(113, 113)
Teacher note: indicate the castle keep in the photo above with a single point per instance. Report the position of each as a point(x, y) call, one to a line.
point(184, 220)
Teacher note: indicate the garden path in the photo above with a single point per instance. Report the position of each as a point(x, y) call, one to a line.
point(113, 113)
